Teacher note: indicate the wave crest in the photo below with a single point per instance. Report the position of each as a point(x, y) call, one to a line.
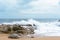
point(44, 28)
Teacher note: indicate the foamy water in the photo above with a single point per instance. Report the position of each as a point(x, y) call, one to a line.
point(44, 28)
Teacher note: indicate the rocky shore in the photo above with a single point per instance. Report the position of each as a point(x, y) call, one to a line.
point(17, 30)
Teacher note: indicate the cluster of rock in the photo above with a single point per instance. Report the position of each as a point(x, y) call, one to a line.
point(17, 30)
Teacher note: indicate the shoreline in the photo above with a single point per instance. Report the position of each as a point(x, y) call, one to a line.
point(5, 37)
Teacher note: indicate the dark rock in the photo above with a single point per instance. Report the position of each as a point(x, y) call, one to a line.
point(21, 31)
point(17, 28)
point(28, 25)
point(34, 25)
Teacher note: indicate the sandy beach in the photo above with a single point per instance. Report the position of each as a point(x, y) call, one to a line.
point(5, 37)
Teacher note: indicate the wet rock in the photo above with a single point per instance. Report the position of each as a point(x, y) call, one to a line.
point(34, 25)
point(27, 29)
point(21, 31)
point(5, 29)
point(30, 36)
point(17, 28)
point(30, 30)
point(14, 36)
point(28, 25)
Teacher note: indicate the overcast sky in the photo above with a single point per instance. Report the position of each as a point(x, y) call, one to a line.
point(29, 8)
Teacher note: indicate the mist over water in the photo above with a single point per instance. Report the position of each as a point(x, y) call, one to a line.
point(43, 27)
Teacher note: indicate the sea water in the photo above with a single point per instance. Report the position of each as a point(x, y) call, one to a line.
point(46, 27)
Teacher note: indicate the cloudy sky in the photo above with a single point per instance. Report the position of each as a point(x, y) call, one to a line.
point(29, 8)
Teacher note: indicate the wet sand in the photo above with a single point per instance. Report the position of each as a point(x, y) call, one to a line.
point(5, 37)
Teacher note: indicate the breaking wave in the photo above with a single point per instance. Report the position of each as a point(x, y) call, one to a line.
point(44, 28)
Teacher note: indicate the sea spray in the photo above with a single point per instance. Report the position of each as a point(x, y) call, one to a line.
point(42, 28)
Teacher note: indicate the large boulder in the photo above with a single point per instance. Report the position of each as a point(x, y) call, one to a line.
point(14, 36)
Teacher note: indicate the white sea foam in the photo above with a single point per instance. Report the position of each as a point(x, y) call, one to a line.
point(44, 28)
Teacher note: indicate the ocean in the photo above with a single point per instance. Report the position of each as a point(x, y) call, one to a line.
point(40, 19)
point(46, 27)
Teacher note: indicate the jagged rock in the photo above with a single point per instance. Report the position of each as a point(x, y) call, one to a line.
point(21, 31)
point(5, 28)
point(14, 36)
point(17, 28)
point(30, 30)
